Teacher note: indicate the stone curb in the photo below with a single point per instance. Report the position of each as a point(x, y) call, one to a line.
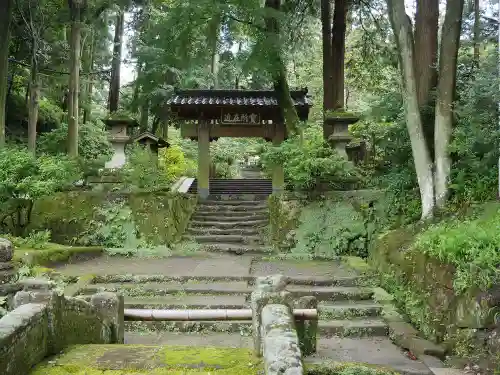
point(401, 332)
point(83, 282)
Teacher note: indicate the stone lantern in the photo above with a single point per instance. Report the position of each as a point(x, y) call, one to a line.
point(336, 130)
point(152, 142)
point(119, 130)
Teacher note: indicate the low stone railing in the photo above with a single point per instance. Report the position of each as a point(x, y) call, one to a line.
point(44, 322)
point(278, 337)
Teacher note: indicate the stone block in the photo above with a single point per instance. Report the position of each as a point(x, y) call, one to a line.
point(476, 311)
point(36, 284)
point(6, 250)
point(111, 306)
point(281, 350)
point(24, 297)
point(307, 330)
point(269, 289)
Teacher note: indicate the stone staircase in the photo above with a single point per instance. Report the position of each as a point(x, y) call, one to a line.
point(254, 189)
point(233, 226)
point(351, 326)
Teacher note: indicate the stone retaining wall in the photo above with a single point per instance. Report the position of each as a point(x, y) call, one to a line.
point(43, 323)
point(275, 333)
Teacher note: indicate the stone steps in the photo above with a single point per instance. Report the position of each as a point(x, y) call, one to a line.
point(201, 231)
point(322, 293)
point(230, 208)
point(230, 216)
point(232, 224)
point(225, 238)
point(235, 248)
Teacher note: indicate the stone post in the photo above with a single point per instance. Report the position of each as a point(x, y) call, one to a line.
point(203, 159)
point(111, 306)
point(278, 172)
point(307, 329)
point(6, 266)
point(336, 131)
point(268, 290)
point(34, 291)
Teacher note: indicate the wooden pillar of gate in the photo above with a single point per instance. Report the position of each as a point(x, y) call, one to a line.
point(278, 173)
point(203, 159)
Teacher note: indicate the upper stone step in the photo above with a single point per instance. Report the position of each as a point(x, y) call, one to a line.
point(232, 224)
point(200, 231)
point(234, 202)
point(226, 238)
point(228, 216)
point(347, 310)
point(226, 208)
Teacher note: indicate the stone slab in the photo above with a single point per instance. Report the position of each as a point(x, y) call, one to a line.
point(301, 268)
point(374, 350)
point(206, 265)
point(190, 301)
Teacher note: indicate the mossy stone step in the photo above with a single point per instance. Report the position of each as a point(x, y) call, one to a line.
point(192, 302)
point(228, 238)
point(232, 224)
point(227, 208)
point(200, 231)
point(235, 248)
point(229, 216)
point(231, 203)
point(322, 293)
point(354, 327)
point(353, 309)
point(342, 328)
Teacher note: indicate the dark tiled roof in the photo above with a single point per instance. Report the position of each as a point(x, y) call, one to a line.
point(257, 98)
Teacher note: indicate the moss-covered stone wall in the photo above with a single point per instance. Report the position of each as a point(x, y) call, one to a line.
point(160, 218)
point(464, 322)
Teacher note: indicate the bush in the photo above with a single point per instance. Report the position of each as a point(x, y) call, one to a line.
point(173, 161)
point(310, 162)
point(471, 245)
point(25, 178)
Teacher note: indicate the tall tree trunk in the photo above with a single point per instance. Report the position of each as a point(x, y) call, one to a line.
point(89, 85)
point(278, 70)
point(137, 89)
point(74, 76)
point(423, 163)
point(450, 42)
point(426, 55)
point(144, 120)
point(477, 32)
point(214, 34)
point(114, 86)
point(34, 94)
point(338, 52)
point(6, 7)
point(326, 31)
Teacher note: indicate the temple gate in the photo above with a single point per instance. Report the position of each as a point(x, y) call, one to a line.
point(207, 115)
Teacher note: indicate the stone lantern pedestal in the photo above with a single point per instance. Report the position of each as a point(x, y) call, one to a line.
point(336, 131)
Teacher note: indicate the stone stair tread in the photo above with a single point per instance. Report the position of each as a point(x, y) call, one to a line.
point(188, 302)
point(230, 202)
point(218, 231)
point(344, 305)
point(367, 350)
point(226, 238)
point(354, 322)
point(228, 217)
point(354, 327)
point(234, 248)
point(234, 224)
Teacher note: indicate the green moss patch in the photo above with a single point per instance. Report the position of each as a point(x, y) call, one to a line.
point(54, 254)
point(347, 368)
point(155, 360)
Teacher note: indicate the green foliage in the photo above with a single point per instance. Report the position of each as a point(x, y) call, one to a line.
point(38, 240)
point(175, 164)
point(143, 170)
point(93, 144)
point(308, 162)
point(472, 246)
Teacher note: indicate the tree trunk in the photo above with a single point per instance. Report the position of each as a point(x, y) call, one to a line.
point(74, 78)
point(34, 94)
point(143, 123)
point(6, 7)
point(326, 19)
point(214, 31)
point(338, 52)
point(114, 86)
point(450, 42)
point(477, 32)
point(278, 70)
point(89, 85)
point(137, 89)
point(423, 163)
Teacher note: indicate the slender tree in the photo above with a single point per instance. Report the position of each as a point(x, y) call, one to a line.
point(6, 8)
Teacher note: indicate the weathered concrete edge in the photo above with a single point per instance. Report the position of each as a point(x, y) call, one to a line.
point(402, 333)
point(83, 281)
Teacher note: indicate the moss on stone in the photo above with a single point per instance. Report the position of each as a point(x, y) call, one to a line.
point(54, 254)
point(347, 368)
point(156, 360)
point(161, 217)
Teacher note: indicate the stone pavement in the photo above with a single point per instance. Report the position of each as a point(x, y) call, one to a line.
point(351, 326)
